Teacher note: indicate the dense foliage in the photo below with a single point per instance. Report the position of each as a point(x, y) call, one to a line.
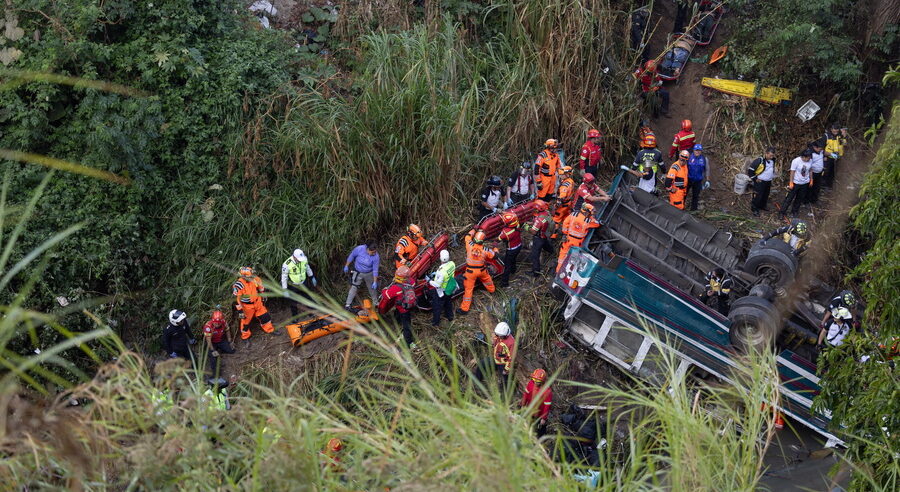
point(865, 396)
point(197, 65)
point(808, 43)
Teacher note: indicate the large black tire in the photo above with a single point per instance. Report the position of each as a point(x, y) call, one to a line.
point(754, 324)
point(764, 291)
point(772, 262)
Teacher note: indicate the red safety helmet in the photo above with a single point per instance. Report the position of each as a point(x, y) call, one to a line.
point(335, 445)
point(588, 178)
point(218, 316)
point(592, 133)
point(649, 141)
point(541, 205)
point(510, 219)
point(539, 376)
point(650, 65)
point(686, 125)
point(684, 154)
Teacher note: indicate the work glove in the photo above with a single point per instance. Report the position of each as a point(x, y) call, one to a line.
point(241, 315)
point(315, 282)
point(706, 185)
point(192, 341)
point(346, 269)
point(834, 155)
point(375, 285)
point(215, 353)
point(173, 355)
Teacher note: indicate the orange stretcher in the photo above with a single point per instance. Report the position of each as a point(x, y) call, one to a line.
point(320, 326)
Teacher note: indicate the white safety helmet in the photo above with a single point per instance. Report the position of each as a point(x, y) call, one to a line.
point(445, 256)
point(298, 253)
point(176, 317)
point(502, 329)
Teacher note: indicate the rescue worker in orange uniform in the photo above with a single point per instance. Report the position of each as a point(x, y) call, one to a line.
point(684, 140)
point(565, 196)
point(676, 181)
point(546, 167)
point(536, 391)
point(250, 305)
point(476, 269)
point(408, 246)
point(576, 228)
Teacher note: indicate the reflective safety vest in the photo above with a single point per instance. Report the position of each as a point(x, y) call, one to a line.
point(476, 255)
point(216, 401)
point(678, 174)
point(247, 289)
point(566, 191)
point(834, 144)
point(684, 140)
point(503, 348)
point(548, 163)
point(296, 270)
point(162, 402)
point(447, 270)
point(576, 226)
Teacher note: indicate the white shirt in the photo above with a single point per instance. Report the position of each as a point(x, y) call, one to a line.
point(493, 198)
point(817, 164)
point(768, 171)
point(647, 185)
point(802, 171)
point(522, 185)
point(837, 333)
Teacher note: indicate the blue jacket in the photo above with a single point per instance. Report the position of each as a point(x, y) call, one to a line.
point(696, 167)
point(362, 262)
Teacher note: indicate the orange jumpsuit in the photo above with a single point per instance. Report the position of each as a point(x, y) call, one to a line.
point(546, 168)
point(246, 290)
point(676, 184)
point(407, 248)
point(566, 195)
point(476, 269)
point(576, 228)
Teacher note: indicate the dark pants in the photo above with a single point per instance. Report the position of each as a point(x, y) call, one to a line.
point(829, 171)
point(795, 197)
point(509, 265)
point(694, 188)
point(813, 194)
point(295, 305)
point(761, 191)
point(516, 198)
point(539, 244)
point(590, 170)
point(441, 305)
point(222, 347)
point(405, 320)
point(721, 302)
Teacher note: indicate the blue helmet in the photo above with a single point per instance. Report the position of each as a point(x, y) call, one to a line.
point(698, 147)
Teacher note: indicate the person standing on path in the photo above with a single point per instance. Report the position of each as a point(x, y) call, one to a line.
point(835, 139)
point(817, 166)
point(651, 82)
point(798, 186)
point(683, 140)
point(540, 241)
point(762, 172)
point(537, 391)
point(218, 340)
point(546, 168)
point(676, 181)
point(400, 295)
point(176, 338)
point(249, 303)
point(591, 153)
point(698, 175)
point(444, 282)
point(295, 273)
point(504, 351)
point(362, 265)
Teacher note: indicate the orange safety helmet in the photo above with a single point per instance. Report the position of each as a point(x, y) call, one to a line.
point(592, 133)
point(414, 230)
point(587, 208)
point(686, 125)
point(565, 170)
point(541, 205)
point(588, 178)
point(649, 141)
point(510, 219)
point(650, 65)
point(539, 376)
point(551, 143)
point(245, 271)
point(334, 445)
point(479, 237)
point(684, 154)
point(218, 316)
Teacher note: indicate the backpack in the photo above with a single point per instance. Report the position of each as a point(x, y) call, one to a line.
point(408, 298)
point(450, 288)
